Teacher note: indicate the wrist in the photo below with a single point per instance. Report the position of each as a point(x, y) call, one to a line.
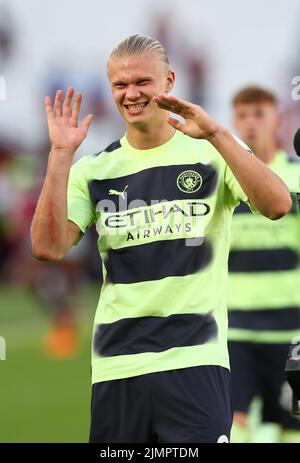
point(62, 151)
point(217, 133)
point(60, 159)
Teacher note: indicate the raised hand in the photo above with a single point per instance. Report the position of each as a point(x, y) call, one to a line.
point(62, 119)
point(197, 123)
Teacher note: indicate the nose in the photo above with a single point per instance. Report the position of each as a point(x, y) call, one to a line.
point(132, 92)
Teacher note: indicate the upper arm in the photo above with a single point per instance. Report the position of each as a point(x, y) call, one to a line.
point(81, 212)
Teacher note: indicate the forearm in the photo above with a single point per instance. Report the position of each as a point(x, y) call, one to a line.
point(265, 190)
point(49, 229)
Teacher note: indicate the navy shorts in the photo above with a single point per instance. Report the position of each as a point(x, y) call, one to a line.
point(188, 405)
point(258, 370)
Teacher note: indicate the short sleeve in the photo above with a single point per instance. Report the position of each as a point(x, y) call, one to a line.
point(80, 207)
point(291, 177)
point(235, 191)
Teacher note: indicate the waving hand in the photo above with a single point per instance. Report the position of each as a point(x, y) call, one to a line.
point(197, 123)
point(62, 119)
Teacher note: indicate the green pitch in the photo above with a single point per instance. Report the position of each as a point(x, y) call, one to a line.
point(42, 400)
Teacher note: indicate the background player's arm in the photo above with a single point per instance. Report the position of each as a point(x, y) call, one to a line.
point(265, 190)
point(52, 234)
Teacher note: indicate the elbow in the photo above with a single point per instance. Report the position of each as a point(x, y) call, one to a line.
point(46, 255)
point(282, 208)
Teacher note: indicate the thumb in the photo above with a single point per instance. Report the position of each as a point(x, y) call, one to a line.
point(86, 123)
point(176, 124)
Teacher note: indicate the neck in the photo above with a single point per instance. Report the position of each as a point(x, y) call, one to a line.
point(147, 137)
point(266, 153)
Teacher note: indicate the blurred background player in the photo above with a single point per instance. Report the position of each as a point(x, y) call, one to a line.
point(264, 275)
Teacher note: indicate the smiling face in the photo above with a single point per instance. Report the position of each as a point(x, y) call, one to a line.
point(134, 81)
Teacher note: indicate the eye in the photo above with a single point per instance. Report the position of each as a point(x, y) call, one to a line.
point(120, 86)
point(143, 82)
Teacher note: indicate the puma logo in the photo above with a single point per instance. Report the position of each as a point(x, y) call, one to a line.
point(118, 193)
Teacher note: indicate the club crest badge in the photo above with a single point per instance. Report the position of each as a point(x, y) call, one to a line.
point(189, 181)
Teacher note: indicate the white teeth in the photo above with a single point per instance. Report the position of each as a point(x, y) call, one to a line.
point(137, 106)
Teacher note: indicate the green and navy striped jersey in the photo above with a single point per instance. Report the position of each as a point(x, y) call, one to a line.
point(163, 216)
point(264, 269)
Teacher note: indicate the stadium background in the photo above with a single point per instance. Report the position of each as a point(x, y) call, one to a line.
point(215, 47)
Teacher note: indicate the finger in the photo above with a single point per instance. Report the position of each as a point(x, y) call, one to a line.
point(48, 108)
point(176, 124)
point(57, 103)
point(173, 100)
point(86, 123)
point(168, 107)
point(75, 110)
point(170, 99)
point(169, 104)
point(66, 108)
point(173, 104)
point(162, 104)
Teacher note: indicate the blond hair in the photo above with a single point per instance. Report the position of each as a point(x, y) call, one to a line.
point(137, 45)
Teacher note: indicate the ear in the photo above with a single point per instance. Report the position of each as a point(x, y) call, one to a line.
point(170, 81)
